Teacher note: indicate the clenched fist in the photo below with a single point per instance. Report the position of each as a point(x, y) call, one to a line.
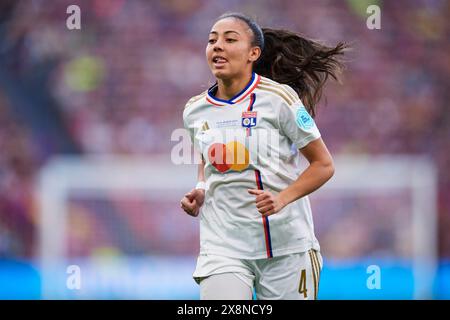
point(192, 201)
point(266, 203)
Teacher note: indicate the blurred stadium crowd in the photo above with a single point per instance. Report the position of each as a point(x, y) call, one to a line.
point(119, 85)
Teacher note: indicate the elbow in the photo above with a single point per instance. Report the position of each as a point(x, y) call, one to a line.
point(325, 170)
point(329, 169)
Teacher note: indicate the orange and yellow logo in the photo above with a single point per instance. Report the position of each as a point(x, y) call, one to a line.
point(231, 156)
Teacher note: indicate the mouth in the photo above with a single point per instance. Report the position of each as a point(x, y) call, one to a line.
point(219, 61)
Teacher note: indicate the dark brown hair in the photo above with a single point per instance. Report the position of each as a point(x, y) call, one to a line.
point(288, 58)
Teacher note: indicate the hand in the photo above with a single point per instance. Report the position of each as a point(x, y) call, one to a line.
point(267, 203)
point(192, 201)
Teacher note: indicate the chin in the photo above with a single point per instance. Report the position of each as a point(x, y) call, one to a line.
point(221, 74)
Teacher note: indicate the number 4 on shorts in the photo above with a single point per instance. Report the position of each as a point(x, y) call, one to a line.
point(302, 285)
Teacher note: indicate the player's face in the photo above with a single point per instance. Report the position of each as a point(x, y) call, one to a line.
point(229, 51)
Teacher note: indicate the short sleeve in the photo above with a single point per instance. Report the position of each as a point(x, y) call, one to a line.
point(297, 124)
point(188, 128)
point(188, 122)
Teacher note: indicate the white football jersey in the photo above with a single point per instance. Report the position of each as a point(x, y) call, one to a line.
point(251, 142)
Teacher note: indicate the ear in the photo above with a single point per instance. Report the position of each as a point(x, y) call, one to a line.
point(255, 53)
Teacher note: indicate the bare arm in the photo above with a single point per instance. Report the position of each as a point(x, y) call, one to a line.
point(201, 171)
point(319, 171)
point(193, 200)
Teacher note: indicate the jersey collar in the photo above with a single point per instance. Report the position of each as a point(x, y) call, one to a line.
point(237, 98)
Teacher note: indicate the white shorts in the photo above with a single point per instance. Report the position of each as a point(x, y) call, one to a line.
point(289, 277)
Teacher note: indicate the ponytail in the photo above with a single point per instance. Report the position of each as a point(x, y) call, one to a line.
point(303, 64)
point(288, 58)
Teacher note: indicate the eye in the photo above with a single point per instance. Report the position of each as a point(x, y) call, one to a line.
point(231, 40)
point(211, 41)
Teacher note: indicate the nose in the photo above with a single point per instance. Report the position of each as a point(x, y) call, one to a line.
point(218, 46)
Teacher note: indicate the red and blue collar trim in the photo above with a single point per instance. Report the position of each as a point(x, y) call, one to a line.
point(253, 83)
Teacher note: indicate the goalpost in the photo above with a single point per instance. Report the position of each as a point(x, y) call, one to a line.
point(385, 174)
point(154, 244)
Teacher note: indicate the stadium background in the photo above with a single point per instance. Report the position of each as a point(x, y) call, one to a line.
point(117, 87)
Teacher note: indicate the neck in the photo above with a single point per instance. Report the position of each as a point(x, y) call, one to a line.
point(228, 88)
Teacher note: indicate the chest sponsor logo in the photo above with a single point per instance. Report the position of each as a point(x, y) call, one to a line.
point(231, 156)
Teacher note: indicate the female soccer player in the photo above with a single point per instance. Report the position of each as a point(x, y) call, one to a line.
point(256, 228)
